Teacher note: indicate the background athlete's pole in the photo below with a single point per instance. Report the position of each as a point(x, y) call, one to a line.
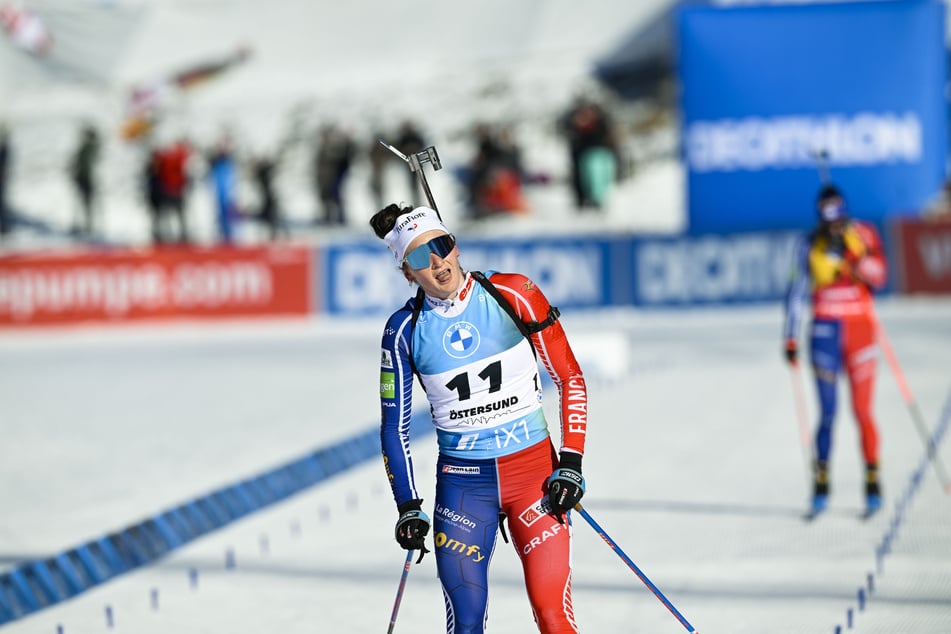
point(912, 404)
point(822, 164)
point(415, 162)
point(805, 441)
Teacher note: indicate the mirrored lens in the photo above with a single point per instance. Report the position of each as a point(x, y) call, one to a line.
point(442, 246)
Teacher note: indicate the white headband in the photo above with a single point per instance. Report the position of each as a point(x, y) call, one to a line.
point(408, 227)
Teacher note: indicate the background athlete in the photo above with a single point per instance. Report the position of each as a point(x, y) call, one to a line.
point(497, 460)
point(837, 266)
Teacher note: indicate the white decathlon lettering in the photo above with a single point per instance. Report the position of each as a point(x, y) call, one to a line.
point(362, 282)
point(713, 268)
point(788, 142)
point(568, 273)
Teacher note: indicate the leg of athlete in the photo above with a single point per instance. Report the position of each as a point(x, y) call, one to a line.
point(465, 524)
point(543, 544)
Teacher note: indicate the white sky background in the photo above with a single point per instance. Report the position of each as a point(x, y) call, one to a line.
point(694, 467)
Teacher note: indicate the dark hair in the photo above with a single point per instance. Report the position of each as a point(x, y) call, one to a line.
point(384, 220)
point(828, 191)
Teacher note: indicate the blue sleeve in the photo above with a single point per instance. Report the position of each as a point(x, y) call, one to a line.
point(396, 405)
point(797, 295)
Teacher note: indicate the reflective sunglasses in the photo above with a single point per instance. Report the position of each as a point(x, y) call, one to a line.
point(442, 246)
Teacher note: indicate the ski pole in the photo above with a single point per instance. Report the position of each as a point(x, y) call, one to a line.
point(647, 582)
point(912, 404)
point(399, 591)
point(800, 396)
point(415, 162)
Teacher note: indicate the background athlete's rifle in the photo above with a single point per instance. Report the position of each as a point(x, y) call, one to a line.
point(415, 162)
point(822, 164)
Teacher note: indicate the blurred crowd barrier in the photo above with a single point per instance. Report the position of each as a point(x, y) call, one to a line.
point(356, 278)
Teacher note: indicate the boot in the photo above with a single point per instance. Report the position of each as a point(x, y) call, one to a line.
point(873, 492)
point(820, 492)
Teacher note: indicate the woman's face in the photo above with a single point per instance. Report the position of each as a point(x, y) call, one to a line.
point(443, 277)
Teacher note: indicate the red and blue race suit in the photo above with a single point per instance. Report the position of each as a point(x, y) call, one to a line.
point(482, 381)
point(839, 277)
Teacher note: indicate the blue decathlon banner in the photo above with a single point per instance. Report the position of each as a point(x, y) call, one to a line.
point(711, 269)
point(361, 279)
point(764, 87)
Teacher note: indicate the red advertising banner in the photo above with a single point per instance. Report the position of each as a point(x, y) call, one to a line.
point(924, 253)
point(128, 285)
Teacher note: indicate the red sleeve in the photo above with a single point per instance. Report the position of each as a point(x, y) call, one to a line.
point(873, 267)
point(555, 353)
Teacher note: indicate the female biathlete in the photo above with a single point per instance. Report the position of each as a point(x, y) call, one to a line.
point(837, 267)
point(472, 341)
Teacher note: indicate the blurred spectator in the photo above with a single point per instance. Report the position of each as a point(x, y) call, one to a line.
point(6, 221)
point(224, 180)
point(82, 170)
point(593, 152)
point(269, 211)
point(332, 161)
point(409, 140)
point(495, 177)
point(940, 205)
point(173, 180)
point(26, 29)
point(152, 189)
point(379, 157)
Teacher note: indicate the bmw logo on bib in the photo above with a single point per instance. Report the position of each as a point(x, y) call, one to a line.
point(461, 340)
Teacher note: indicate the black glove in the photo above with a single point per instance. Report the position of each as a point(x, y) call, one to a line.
point(412, 527)
point(792, 352)
point(566, 485)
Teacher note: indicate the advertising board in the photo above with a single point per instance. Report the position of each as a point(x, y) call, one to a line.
point(767, 89)
point(128, 285)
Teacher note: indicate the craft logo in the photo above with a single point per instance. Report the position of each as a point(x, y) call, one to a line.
point(461, 340)
point(546, 534)
point(534, 513)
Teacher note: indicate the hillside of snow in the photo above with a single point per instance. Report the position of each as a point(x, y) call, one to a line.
point(364, 66)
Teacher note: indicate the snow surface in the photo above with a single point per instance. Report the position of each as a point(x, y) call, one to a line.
point(694, 467)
